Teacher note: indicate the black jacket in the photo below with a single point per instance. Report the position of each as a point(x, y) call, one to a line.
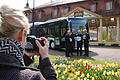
point(68, 40)
point(86, 38)
point(73, 38)
point(12, 69)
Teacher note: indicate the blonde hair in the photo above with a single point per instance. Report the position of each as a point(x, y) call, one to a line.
point(11, 20)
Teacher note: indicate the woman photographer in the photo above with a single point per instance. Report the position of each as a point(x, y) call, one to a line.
point(14, 27)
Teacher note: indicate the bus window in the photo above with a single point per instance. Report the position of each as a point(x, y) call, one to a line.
point(64, 28)
point(63, 32)
point(57, 31)
point(78, 23)
point(51, 29)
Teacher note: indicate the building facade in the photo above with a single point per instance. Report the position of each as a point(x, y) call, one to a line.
point(103, 17)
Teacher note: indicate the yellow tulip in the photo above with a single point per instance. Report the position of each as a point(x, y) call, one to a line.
point(62, 77)
point(60, 65)
point(73, 70)
point(74, 76)
point(69, 66)
point(57, 76)
point(116, 74)
point(55, 66)
point(78, 78)
point(85, 78)
point(82, 75)
point(108, 73)
point(77, 73)
point(64, 72)
point(88, 76)
point(94, 75)
point(113, 73)
point(104, 73)
point(79, 60)
point(59, 71)
point(93, 78)
point(68, 78)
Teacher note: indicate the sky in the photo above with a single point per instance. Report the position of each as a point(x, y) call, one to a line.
point(20, 4)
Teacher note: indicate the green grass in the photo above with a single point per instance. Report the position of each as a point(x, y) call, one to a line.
point(92, 61)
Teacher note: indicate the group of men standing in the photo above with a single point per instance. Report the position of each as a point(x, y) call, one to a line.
point(81, 39)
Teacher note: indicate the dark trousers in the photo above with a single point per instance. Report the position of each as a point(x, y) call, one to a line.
point(72, 48)
point(68, 50)
point(79, 49)
point(86, 47)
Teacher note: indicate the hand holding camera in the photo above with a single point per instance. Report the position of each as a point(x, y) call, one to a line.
point(43, 50)
point(39, 46)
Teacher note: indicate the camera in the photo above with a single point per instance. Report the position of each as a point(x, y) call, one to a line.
point(31, 45)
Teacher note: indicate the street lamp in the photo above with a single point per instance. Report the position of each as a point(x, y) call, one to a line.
point(33, 17)
point(33, 14)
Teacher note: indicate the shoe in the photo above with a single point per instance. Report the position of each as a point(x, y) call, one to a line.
point(69, 56)
point(72, 55)
point(77, 54)
point(86, 55)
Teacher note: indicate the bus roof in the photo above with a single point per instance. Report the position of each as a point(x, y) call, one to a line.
point(54, 20)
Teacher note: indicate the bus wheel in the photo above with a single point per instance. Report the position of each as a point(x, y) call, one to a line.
point(52, 45)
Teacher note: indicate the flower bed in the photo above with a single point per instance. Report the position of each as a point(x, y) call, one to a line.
point(83, 70)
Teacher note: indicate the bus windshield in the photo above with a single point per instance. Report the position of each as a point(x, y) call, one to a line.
point(78, 23)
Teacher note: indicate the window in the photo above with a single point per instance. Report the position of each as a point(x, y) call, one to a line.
point(39, 15)
point(112, 32)
point(93, 34)
point(108, 5)
point(57, 30)
point(104, 33)
point(92, 8)
point(55, 12)
point(109, 33)
point(112, 19)
point(63, 31)
point(65, 10)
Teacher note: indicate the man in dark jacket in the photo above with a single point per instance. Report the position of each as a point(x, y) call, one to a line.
point(79, 43)
point(73, 35)
point(68, 44)
point(86, 38)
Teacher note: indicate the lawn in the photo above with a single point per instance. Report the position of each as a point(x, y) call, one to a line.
point(83, 69)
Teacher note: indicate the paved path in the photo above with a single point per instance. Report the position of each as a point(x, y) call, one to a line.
point(96, 53)
point(105, 53)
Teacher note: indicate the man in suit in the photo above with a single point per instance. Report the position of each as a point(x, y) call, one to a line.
point(79, 39)
point(73, 35)
point(86, 38)
point(68, 44)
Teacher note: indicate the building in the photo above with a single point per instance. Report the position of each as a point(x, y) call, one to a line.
point(103, 17)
